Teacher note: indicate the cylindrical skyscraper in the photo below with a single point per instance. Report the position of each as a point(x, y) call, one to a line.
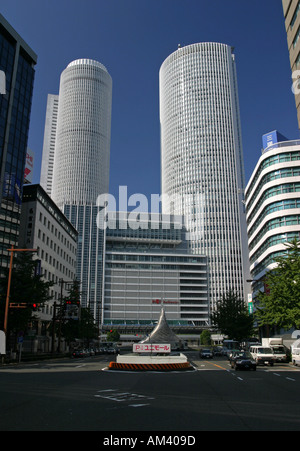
point(81, 166)
point(201, 159)
point(82, 147)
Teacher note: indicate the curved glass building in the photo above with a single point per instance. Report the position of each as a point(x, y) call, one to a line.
point(82, 147)
point(273, 207)
point(202, 170)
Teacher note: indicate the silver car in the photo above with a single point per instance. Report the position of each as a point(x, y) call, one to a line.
point(206, 354)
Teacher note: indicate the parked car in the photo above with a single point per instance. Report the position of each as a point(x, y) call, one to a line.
point(206, 354)
point(243, 361)
point(218, 351)
point(111, 350)
point(78, 353)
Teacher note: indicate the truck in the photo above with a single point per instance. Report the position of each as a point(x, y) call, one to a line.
point(279, 351)
point(295, 351)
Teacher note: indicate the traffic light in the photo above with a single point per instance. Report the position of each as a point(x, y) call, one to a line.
point(35, 307)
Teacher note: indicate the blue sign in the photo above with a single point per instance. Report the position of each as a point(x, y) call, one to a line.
point(272, 138)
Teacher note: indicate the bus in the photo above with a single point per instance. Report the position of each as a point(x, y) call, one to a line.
point(229, 346)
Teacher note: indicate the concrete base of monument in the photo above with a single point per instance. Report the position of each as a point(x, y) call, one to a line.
point(151, 363)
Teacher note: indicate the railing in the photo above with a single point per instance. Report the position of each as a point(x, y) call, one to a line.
point(295, 142)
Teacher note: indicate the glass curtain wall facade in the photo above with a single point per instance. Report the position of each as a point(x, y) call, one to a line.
point(89, 256)
point(17, 62)
point(202, 171)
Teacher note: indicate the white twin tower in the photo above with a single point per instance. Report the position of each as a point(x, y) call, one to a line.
point(202, 169)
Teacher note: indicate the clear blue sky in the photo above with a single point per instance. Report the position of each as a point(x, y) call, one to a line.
point(132, 38)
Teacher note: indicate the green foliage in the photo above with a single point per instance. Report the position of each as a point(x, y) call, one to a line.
point(231, 317)
point(26, 287)
point(205, 337)
point(113, 335)
point(74, 293)
point(83, 328)
point(279, 305)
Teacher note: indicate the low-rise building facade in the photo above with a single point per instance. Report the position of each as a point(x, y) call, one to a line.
point(44, 227)
point(150, 267)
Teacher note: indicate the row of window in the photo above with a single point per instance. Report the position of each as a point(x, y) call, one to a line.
point(284, 221)
point(273, 241)
point(272, 208)
point(270, 161)
point(51, 227)
point(275, 191)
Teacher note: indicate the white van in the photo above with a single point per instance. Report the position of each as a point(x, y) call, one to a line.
point(262, 355)
point(296, 352)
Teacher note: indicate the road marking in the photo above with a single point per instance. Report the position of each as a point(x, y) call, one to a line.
point(290, 379)
point(138, 405)
point(114, 395)
point(218, 366)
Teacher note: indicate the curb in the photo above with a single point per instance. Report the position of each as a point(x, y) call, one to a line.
point(150, 367)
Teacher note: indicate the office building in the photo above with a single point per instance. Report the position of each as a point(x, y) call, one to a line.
point(49, 143)
point(291, 11)
point(17, 62)
point(81, 165)
point(82, 147)
point(273, 204)
point(148, 268)
point(45, 228)
point(202, 167)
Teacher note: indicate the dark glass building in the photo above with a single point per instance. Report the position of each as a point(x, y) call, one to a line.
point(17, 62)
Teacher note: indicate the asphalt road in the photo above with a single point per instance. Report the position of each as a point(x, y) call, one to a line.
point(81, 395)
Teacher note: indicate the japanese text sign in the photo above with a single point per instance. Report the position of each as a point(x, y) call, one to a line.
point(151, 347)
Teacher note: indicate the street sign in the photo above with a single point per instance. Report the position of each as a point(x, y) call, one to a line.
point(151, 347)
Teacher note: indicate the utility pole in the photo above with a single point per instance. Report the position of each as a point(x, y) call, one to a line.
point(53, 328)
point(61, 310)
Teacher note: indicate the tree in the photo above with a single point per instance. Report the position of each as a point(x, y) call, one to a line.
point(205, 337)
point(83, 325)
point(84, 328)
point(113, 335)
point(231, 317)
point(74, 293)
point(279, 304)
point(27, 287)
